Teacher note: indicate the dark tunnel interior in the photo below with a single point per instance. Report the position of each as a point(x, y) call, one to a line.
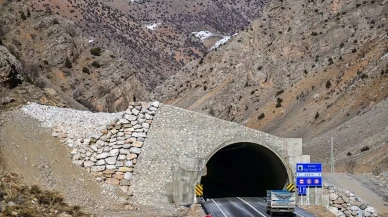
point(243, 170)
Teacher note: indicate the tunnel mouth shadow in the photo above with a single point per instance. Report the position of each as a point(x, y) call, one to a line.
point(243, 170)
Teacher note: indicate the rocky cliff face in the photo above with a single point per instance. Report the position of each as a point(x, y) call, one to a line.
point(50, 51)
point(303, 68)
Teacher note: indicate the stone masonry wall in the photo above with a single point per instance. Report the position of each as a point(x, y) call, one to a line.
point(107, 145)
point(345, 204)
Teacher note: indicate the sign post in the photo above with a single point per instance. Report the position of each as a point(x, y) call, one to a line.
point(308, 175)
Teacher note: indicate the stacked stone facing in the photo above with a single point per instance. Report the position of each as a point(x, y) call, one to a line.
point(345, 204)
point(112, 154)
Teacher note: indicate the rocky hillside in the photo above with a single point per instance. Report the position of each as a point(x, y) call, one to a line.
point(302, 69)
point(52, 52)
point(103, 54)
point(153, 36)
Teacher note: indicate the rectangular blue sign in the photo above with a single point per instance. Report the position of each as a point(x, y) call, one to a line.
point(302, 190)
point(309, 181)
point(308, 167)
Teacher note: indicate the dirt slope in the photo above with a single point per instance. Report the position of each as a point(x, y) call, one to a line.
point(41, 159)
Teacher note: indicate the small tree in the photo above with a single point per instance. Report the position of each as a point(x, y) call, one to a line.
point(68, 63)
point(316, 116)
point(22, 15)
point(95, 64)
point(365, 148)
point(96, 51)
point(350, 165)
point(261, 116)
point(328, 84)
point(85, 70)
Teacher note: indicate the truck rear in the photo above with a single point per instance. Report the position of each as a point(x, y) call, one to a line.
point(280, 201)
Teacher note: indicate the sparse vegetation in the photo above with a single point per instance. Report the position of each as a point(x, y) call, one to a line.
point(349, 154)
point(381, 167)
point(350, 166)
point(279, 92)
point(68, 63)
point(96, 51)
point(31, 201)
point(261, 116)
point(30, 73)
point(95, 64)
point(365, 148)
point(316, 116)
point(23, 15)
point(85, 70)
point(279, 102)
point(328, 84)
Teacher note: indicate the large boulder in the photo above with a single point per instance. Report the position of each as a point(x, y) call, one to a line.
point(333, 196)
point(334, 211)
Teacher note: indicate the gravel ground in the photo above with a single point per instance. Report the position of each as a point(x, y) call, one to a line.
point(78, 124)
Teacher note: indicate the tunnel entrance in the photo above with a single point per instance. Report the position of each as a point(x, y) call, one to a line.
point(243, 170)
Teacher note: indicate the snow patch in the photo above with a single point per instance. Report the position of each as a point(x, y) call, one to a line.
point(385, 56)
point(152, 26)
point(202, 35)
point(221, 42)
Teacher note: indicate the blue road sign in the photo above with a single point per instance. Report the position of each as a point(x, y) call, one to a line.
point(302, 190)
point(308, 167)
point(309, 174)
point(309, 181)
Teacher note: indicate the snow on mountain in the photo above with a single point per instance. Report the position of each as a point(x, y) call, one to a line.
point(203, 34)
point(152, 26)
point(221, 42)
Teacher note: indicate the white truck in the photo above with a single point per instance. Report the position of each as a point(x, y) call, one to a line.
point(280, 201)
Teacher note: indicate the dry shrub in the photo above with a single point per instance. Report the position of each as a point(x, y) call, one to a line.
point(350, 166)
point(381, 167)
point(31, 73)
point(32, 201)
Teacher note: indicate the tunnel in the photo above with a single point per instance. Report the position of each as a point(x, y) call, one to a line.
point(243, 170)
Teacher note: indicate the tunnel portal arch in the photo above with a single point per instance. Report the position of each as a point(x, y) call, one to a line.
point(245, 169)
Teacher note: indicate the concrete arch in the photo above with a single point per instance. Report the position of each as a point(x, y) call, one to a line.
point(253, 141)
point(181, 142)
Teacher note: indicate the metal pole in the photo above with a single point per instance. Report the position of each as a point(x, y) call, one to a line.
point(332, 156)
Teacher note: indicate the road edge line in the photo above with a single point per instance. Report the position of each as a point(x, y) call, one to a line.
point(251, 207)
point(219, 208)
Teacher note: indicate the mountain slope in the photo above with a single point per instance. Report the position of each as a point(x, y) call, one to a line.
point(52, 52)
point(302, 69)
point(153, 36)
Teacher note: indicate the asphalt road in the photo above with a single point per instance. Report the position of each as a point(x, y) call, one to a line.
point(242, 207)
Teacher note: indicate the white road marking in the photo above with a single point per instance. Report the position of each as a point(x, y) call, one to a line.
point(251, 207)
point(219, 208)
point(298, 214)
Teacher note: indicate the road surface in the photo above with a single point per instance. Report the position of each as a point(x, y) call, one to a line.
point(359, 189)
point(242, 207)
